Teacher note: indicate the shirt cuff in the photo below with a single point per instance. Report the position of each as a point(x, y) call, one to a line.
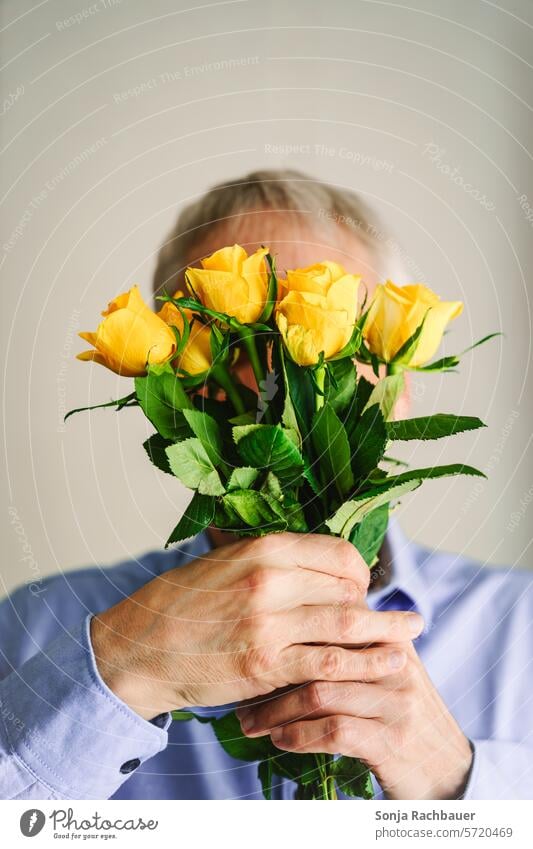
point(500, 770)
point(73, 733)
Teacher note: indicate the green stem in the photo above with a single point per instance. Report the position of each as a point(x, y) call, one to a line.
point(248, 340)
point(394, 368)
point(320, 377)
point(221, 375)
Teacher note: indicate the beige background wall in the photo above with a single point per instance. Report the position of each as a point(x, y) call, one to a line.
point(115, 117)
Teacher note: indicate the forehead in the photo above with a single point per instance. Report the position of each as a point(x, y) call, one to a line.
point(295, 240)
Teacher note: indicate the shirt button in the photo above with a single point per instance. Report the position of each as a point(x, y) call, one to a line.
point(129, 766)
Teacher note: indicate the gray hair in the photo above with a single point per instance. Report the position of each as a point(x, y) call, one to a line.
point(216, 217)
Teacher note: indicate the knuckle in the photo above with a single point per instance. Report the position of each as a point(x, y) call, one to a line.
point(347, 620)
point(316, 695)
point(256, 662)
point(335, 732)
point(331, 662)
point(351, 561)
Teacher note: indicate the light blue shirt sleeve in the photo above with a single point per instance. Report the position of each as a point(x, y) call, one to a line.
point(63, 733)
point(500, 770)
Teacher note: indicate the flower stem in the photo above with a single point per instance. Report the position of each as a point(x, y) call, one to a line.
point(221, 375)
point(320, 377)
point(248, 339)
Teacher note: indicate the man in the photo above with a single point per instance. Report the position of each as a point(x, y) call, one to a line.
point(418, 669)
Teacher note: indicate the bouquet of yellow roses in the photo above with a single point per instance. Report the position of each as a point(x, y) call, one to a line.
point(305, 450)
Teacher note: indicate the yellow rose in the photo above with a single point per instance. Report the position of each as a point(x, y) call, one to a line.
point(317, 311)
point(129, 337)
point(395, 314)
point(196, 358)
point(232, 282)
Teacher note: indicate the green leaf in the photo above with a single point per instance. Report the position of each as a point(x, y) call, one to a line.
point(206, 429)
point(369, 441)
point(264, 773)
point(243, 477)
point(432, 472)
point(444, 364)
point(341, 380)
point(272, 486)
point(198, 515)
point(332, 448)
point(368, 535)
point(228, 732)
point(386, 393)
point(163, 399)
point(288, 415)
point(302, 394)
point(270, 447)
point(190, 463)
point(352, 512)
point(119, 404)
point(155, 446)
point(256, 510)
point(432, 427)
point(272, 291)
point(353, 777)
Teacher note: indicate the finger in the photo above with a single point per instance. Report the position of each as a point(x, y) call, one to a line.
point(315, 553)
point(345, 624)
point(301, 664)
point(316, 700)
point(360, 738)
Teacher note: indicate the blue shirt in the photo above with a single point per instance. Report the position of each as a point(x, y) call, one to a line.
point(65, 735)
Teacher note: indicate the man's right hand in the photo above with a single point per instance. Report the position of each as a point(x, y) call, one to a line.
point(247, 619)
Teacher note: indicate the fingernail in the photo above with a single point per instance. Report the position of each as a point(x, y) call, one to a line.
point(248, 723)
point(276, 735)
point(396, 659)
point(416, 623)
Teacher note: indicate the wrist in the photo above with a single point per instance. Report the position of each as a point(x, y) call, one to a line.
point(122, 672)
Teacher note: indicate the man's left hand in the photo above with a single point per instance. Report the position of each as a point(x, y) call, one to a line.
point(399, 726)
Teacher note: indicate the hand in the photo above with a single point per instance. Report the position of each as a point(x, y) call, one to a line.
point(398, 725)
point(237, 623)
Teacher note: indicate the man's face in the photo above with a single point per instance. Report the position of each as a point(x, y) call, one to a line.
point(297, 247)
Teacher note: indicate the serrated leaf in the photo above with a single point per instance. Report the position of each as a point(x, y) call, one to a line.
point(163, 399)
point(341, 379)
point(257, 510)
point(369, 441)
point(352, 512)
point(243, 477)
point(228, 732)
point(270, 447)
point(432, 427)
point(368, 535)
point(155, 446)
point(191, 464)
point(198, 515)
point(353, 777)
point(206, 429)
point(332, 449)
point(386, 393)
